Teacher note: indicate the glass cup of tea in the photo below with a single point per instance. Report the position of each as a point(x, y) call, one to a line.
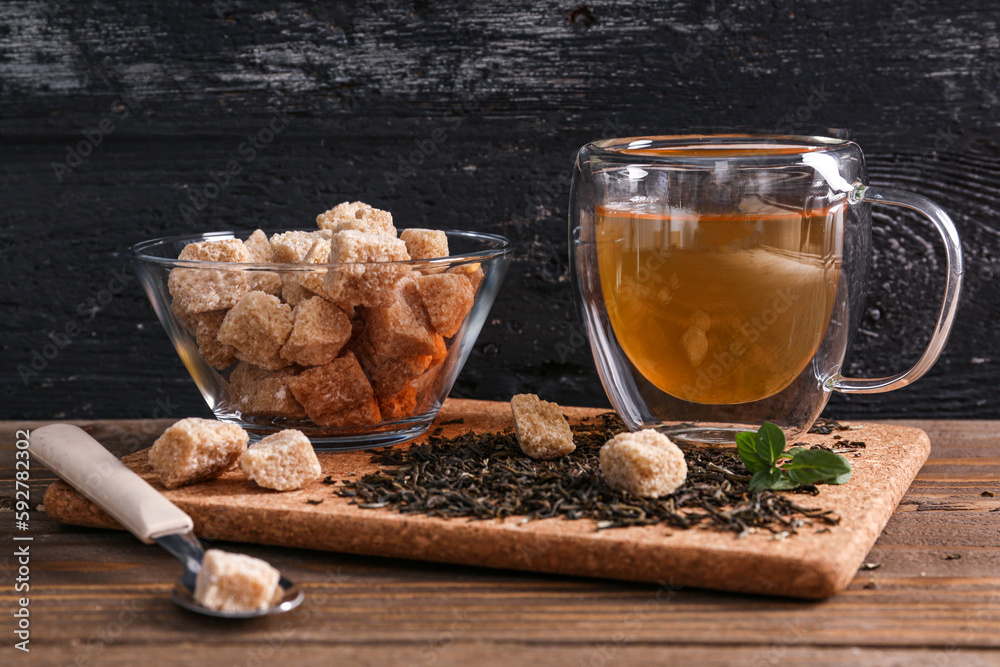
point(721, 277)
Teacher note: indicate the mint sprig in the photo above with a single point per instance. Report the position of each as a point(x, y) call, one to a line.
point(761, 451)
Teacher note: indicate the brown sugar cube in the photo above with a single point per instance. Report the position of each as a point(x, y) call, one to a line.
point(264, 393)
point(364, 218)
point(260, 253)
point(341, 213)
point(440, 351)
point(259, 248)
point(292, 291)
point(284, 461)
point(218, 355)
point(257, 326)
point(542, 430)
point(425, 243)
point(388, 375)
point(337, 394)
point(218, 250)
point(235, 583)
point(402, 328)
point(353, 282)
point(291, 247)
point(645, 463)
point(319, 253)
point(188, 319)
point(448, 298)
point(319, 331)
point(200, 290)
point(429, 388)
point(193, 450)
point(399, 406)
point(474, 272)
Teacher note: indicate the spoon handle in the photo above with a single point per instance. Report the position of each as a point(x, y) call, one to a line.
point(93, 471)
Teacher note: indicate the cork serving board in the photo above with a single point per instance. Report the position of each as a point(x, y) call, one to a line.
point(810, 564)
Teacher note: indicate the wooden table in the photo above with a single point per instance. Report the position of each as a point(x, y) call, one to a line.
point(102, 597)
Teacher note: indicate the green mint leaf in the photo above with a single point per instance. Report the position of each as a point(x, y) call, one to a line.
point(746, 447)
point(774, 479)
point(816, 466)
point(760, 451)
point(763, 479)
point(770, 442)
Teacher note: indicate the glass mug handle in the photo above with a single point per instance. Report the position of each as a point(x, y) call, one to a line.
point(952, 287)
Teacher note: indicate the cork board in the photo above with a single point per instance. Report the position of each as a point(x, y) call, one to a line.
point(811, 564)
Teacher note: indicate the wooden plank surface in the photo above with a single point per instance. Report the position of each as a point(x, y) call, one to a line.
point(816, 563)
point(101, 596)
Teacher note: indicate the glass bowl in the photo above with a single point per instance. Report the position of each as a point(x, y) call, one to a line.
point(377, 388)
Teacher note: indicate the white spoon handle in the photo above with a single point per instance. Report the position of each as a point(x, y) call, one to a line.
point(93, 471)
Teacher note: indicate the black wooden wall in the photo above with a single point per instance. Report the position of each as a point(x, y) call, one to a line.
point(115, 116)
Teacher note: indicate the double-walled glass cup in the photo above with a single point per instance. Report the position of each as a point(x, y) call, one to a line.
point(721, 277)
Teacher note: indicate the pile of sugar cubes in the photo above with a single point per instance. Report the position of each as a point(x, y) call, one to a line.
point(350, 338)
point(196, 450)
point(646, 463)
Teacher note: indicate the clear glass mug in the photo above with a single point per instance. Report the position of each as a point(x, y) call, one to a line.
point(721, 277)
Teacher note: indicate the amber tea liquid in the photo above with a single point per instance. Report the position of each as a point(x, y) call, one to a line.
point(719, 308)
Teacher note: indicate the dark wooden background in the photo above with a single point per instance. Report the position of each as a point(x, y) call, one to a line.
point(510, 91)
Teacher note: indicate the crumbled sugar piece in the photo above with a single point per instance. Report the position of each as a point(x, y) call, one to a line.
point(342, 212)
point(218, 355)
point(263, 393)
point(199, 290)
point(388, 375)
point(474, 272)
point(542, 430)
point(193, 450)
point(313, 280)
point(402, 405)
point(352, 281)
point(440, 351)
point(425, 243)
point(644, 463)
point(319, 331)
point(448, 298)
point(257, 326)
point(218, 250)
point(402, 327)
point(235, 583)
point(284, 461)
point(292, 291)
point(291, 247)
point(337, 394)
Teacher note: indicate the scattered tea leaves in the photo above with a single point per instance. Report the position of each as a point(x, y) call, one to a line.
point(486, 476)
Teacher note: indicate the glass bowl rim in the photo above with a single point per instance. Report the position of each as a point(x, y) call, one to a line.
point(138, 252)
point(621, 149)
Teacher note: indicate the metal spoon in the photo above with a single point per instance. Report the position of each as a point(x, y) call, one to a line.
point(93, 471)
